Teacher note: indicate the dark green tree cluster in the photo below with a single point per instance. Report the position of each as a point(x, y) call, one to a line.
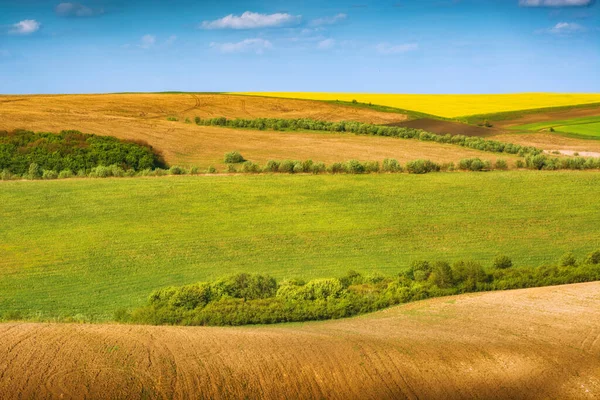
point(360, 128)
point(29, 154)
point(259, 299)
point(543, 162)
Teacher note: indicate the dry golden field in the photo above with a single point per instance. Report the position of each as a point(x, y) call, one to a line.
point(144, 117)
point(527, 344)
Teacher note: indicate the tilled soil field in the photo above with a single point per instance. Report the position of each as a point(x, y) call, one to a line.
point(533, 343)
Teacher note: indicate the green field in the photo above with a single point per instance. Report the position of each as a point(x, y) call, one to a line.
point(91, 246)
point(585, 126)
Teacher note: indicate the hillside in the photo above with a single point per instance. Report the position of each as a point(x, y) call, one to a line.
point(144, 117)
point(86, 247)
point(529, 344)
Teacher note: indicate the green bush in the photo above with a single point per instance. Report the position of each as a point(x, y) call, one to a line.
point(271, 166)
point(287, 166)
point(391, 165)
point(355, 167)
point(422, 167)
point(473, 164)
point(318, 168)
point(65, 174)
point(211, 170)
point(593, 258)
point(501, 164)
point(568, 260)
point(176, 170)
point(172, 119)
point(502, 262)
point(234, 157)
point(194, 170)
point(250, 167)
point(231, 169)
point(49, 174)
point(258, 299)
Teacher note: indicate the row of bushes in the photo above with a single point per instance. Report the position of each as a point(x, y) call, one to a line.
point(543, 162)
point(287, 166)
point(259, 299)
point(74, 151)
point(360, 128)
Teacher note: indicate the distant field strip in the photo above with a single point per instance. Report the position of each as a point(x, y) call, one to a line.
point(450, 106)
point(92, 246)
point(587, 126)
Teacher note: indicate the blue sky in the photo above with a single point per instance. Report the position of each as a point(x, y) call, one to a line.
point(418, 46)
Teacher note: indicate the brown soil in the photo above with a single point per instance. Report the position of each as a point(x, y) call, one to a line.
point(144, 117)
point(444, 127)
point(526, 344)
point(550, 116)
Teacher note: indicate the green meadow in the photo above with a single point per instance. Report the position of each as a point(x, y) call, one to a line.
point(585, 126)
point(87, 247)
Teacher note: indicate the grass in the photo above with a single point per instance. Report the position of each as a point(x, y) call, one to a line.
point(452, 106)
point(585, 126)
point(89, 247)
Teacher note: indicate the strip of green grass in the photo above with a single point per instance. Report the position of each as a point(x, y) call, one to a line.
point(585, 126)
point(92, 246)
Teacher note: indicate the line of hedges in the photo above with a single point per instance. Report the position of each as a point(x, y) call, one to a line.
point(259, 299)
point(360, 128)
point(72, 151)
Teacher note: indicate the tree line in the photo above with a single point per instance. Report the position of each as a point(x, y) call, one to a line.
point(244, 298)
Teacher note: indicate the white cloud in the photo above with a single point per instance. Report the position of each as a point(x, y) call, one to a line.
point(148, 41)
point(388, 49)
point(328, 20)
point(76, 10)
point(251, 20)
point(257, 46)
point(25, 27)
point(563, 28)
point(326, 44)
point(555, 3)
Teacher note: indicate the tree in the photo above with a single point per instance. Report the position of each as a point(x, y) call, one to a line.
point(502, 262)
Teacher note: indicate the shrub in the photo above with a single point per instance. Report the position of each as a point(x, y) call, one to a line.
point(49, 174)
point(391, 165)
point(520, 164)
point(472, 164)
point(420, 270)
point(318, 168)
point(298, 168)
point(501, 164)
point(337, 168)
point(593, 258)
point(34, 171)
point(469, 274)
point(250, 167)
point(245, 286)
point(441, 274)
point(6, 175)
point(568, 260)
point(194, 170)
point(502, 262)
point(172, 119)
point(271, 166)
point(231, 168)
point(197, 120)
point(65, 174)
point(213, 170)
point(176, 170)
point(371, 167)
point(422, 167)
point(187, 121)
point(287, 166)
point(355, 167)
point(234, 157)
point(322, 289)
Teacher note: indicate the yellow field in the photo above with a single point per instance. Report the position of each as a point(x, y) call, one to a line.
point(451, 106)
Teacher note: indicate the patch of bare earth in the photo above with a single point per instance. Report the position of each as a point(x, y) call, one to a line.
point(445, 127)
point(526, 344)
